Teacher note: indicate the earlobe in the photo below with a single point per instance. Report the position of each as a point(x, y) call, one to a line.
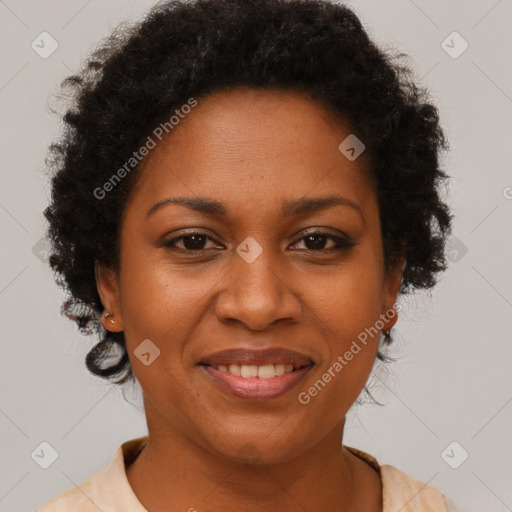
point(108, 290)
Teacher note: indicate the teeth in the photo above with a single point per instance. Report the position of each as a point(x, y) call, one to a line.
point(279, 368)
point(265, 371)
point(234, 369)
point(248, 371)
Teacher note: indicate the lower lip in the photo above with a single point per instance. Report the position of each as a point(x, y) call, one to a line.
point(255, 388)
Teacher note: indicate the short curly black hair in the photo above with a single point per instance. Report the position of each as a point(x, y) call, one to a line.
point(138, 76)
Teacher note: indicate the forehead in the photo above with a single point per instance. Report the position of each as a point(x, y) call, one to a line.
point(253, 145)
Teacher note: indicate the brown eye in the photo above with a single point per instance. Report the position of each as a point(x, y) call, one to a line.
point(317, 242)
point(194, 242)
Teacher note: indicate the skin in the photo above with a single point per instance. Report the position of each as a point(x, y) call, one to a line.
point(253, 151)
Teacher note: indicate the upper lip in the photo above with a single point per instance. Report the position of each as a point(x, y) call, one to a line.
point(246, 356)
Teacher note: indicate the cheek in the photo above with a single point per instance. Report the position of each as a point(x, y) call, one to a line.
point(161, 305)
point(158, 299)
point(348, 297)
point(348, 309)
point(348, 304)
point(165, 305)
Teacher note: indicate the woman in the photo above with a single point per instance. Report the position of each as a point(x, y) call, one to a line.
point(242, 190)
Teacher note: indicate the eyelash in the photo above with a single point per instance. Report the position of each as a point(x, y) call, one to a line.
point(342, 244)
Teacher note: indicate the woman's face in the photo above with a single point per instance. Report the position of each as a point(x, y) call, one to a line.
point(259, 278)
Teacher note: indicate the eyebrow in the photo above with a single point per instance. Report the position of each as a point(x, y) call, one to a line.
point(295, 207)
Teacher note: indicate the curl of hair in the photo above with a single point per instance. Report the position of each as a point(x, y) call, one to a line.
point(141, 73)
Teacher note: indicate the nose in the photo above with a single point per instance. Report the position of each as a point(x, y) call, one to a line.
point(258, 294)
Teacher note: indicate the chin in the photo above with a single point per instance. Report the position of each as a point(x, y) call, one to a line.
point(260, 447)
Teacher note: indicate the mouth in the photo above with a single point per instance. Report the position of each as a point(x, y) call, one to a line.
point(257, 374)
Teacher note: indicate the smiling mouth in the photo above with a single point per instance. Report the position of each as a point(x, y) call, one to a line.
point(264, 371)
point(256, 382)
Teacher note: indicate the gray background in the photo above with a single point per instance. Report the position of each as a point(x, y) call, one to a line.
point(452, 382)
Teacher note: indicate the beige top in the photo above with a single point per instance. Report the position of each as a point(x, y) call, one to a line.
point(109, 489)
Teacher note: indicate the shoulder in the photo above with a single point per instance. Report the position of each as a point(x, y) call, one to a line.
point(104, 488)
point(76, 499)
point(400, 492)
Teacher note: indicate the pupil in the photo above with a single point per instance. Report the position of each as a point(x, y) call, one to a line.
point(319, 238)
point(199, 241)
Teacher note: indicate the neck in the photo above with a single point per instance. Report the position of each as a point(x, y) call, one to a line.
point(175, 473)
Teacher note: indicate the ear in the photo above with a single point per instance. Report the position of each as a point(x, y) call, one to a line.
point(392, 281)
point(108, 289)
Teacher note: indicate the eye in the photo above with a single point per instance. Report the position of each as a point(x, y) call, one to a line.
point(192, 243)
point(317, 240)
